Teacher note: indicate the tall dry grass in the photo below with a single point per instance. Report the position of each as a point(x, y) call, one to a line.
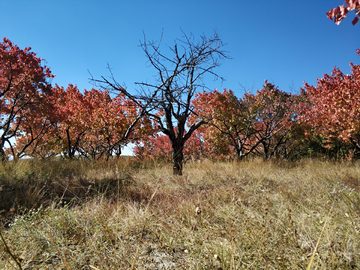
point(124, 215)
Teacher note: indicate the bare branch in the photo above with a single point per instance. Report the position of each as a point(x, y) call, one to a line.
point(179, 76)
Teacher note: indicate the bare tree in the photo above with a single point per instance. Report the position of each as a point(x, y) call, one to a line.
point(168, 100)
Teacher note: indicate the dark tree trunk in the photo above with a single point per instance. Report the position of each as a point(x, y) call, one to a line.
point(240, 156)
point(177, 157)
point(3, 156)
point(118, 151)
point(267, 153)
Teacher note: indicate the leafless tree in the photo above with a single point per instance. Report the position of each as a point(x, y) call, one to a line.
point(179, 76)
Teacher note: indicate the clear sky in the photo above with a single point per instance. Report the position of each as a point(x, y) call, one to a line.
point(286, 42)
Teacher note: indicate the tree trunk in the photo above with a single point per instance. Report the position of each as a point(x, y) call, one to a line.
point(267, 153)
point(177, 158)
point(3, 156)
point(118, 151)
point(239, 155)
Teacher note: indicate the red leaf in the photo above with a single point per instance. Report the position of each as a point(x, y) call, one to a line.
point(355, 20)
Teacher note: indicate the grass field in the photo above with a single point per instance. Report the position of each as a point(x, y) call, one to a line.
point(132, 215)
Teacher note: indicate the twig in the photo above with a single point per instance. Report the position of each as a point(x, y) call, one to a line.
point(318, 242)
point(136, 253)
point(8, 250)
point(57, 249)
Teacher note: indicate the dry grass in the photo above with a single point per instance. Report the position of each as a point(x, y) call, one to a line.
point(249, 215)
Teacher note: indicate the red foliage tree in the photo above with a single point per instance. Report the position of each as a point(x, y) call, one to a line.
point(259, 123)
point(277, 113)
point(32, 131)
point(115, 122)
point(70, 117)
point(335, 103)
point(155, 147)
point(24, 89)
point(226, 115)
point(91, 124)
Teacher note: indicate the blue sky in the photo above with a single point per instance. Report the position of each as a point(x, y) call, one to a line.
point(283, 41)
